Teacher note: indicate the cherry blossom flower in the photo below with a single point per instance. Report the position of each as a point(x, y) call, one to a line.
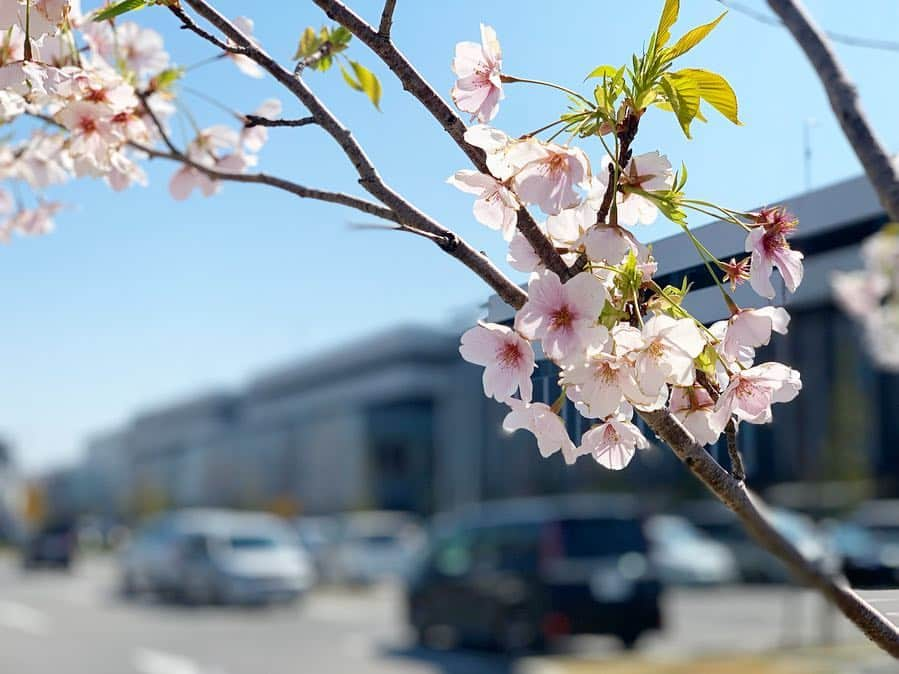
point(479, 88)
point(569, 225)
point(142, 49)
point(769, 247)
point(650, 172)
point(187, 179)
point(254, 137)
point(859, 293)
point(496, 146)
point(563, 316)
point(748, 329)
point(613, 443)
point(694, 408)
point(610, 244)
point(507, 357)
point(601, 381)
point(662, 352)
point(548, 173)
point(751, 392)
point(92, 136)
point(521, 255)
point(546, 426)
point(245, 64)
point(496, 206)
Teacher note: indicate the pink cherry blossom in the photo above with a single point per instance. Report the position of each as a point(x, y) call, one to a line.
point(650, 172)
point(859, 293)
point(695, 409)
point(548, 174)
point(521, 255)
point(613, 443)
point(563, 316)
point(546, 426)
point(479, 88)
point(187, 179)
point(245, 64)
point(769, 247)
point(749, 329)
point(496, 206)
point(507, 357)
point(569, 225)
point(663, 352)
point(496, 146)
point(750, 393)
point(610, 244)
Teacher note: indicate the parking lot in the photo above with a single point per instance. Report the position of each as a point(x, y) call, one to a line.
point(75, 622)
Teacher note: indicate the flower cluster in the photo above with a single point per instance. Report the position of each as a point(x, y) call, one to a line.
point(871, 295)
point(620, 341)
point(93, 98)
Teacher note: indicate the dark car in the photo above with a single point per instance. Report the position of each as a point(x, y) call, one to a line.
point(53, 545)
point(519, 574)
point(867, 562)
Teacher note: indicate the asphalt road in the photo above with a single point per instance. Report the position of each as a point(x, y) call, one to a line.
point(58, 623)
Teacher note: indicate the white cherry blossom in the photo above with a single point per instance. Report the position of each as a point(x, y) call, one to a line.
point(507, 357)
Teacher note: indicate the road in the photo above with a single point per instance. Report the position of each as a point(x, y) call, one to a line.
point(58, 623)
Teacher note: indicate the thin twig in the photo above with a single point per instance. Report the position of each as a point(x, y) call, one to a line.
point(187, 23)
point(256, 120)
point(387, 18)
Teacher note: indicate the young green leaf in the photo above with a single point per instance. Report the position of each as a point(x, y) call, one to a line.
point(309, 42)
point(350, 80)
point(683, 95)
point(715, 90)
point(692, 38)
point(667, 20)
point(602, 71)
point(369, 83)
point(341, 36)
point(118, 9)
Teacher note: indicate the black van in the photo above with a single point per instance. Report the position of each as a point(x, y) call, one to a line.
point(519, 574)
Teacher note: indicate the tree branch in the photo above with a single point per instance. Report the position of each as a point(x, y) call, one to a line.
point(845, 102)
point(256, 120)
point(750, 510)
point(369, 178)
point(387, 18)
point(416, 85)
point(188, 23)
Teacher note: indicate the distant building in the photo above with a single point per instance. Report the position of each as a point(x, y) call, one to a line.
point(11, 495)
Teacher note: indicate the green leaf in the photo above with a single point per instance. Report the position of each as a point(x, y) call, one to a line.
point(692, 38)
point(669, 16)
point(715, 90)
point(349, 79)
point(119, 8)
point(369, 83)
point(341, 36)
point(683, 95)
point(308, 44)
point(602, 71)
point(167, 78)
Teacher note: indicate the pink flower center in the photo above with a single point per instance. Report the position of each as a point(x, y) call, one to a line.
point(562, 318)
point(605, 373)
point(744, 389)
point(774, 241)
point(87, 124)
point(610, 435)
point(656, 350)
point(509, 355)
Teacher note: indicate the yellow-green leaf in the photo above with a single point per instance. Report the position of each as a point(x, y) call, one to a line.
point(715, 90)
point(309, 42)
point(683, 95)
point(349, 79)
point(602, 71)
point(666, 21)
point(119, 8)
point(692, 38)
point(369, 83)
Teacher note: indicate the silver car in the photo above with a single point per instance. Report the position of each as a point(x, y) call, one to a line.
point(217, 556)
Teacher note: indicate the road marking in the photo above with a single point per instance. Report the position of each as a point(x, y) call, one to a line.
point(151, 661)
point(24, 618)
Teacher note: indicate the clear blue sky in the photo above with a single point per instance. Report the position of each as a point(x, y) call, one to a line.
point(137, 300)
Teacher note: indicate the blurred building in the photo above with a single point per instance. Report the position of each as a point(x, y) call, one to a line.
point(398, 420)
point(844, 426)
point(11, 495)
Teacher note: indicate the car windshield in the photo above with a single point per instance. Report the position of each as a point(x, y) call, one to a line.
point(252, 542)
point(601, 537)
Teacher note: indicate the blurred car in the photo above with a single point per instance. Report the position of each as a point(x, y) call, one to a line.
point(867, 562)
point(377, 545)
point(319, 536)
point(757, 565)
point(217, 556)
point(881, 519)
point(685, 555)
point(53, 545)
point(519, 574)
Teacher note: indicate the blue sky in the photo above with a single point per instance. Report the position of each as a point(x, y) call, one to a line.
point(137, 300)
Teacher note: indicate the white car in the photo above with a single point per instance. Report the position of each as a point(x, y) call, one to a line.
point(217, 556)
point(377, 545)
point(685, 555)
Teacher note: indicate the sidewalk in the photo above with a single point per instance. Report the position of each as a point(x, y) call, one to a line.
point(855, 658)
